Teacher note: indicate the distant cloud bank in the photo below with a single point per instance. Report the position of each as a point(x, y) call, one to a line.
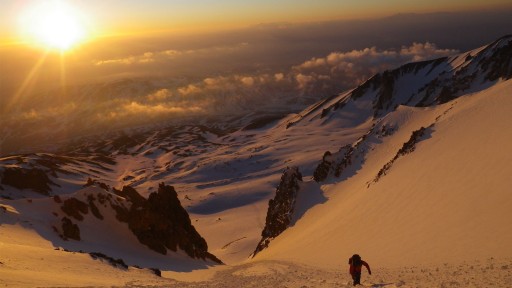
point(125, 81)
point(291, 88)
point(308, 81)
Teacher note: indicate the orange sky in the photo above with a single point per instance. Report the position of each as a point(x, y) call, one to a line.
point(131, 16)
point(44, 73)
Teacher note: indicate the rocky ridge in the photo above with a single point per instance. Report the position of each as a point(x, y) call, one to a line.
point(281, 208)
point(159, 222)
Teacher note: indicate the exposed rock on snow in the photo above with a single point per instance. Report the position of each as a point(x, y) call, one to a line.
point(407, 148)
point(280, 209)
point(323, 169)
point(91, 182)
point(335, 164)
point(161, 223)
point(118, 263)
point(75, 208)
point(435, 81)
point(69, 230)
point(34, 179)
point(47, 174)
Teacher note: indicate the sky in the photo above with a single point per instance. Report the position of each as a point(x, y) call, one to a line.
point(132, 16)
point(223, 14)
point(125, 61)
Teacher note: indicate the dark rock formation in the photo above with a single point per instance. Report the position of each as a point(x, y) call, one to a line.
point(75, 208)
point(322, 170)
point(161, 223)
point(34, 179)
point(387, 84)
point(346, 160)
point(57, 199)
point(117, 263)
point(92, 182)
point(386, 130)
point(408, 147)
point(500, 64)
point(156, 271)
point(91, 200)
point(371, 83)
point(52, 163)
point(280, 209)
point(39, 172)
point(132, 195)
point(70, 230)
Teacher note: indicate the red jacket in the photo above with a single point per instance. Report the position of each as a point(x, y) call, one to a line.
point(357, 269)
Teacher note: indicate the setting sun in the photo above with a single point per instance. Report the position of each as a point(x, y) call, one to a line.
point(53, 24)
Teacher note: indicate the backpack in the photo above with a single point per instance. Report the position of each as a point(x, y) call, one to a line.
point(355, 260)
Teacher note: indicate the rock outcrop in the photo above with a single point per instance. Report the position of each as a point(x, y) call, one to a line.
point(408, 147)
point(281, 208)
point(438, 81)
point(75, 208)
point(161, 223)
point(34, 179)
point(322, 170)
point(70, 230)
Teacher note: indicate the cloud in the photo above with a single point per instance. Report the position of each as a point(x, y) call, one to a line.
point(125, 113)
point(279, 76)
point(169, 55)
point(43, 113)
point(160, 95)
point(303, 80)
point(146, 100)
point(136, 108)
point(304, 83)
point(147, 57)
point(188, 90)
point(297, 85)
point(344, 70)
point(420, 52)
point(248, 81)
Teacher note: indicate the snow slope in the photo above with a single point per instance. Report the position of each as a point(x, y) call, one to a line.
point(423, 196)
point(447, 201)
point(27, 260)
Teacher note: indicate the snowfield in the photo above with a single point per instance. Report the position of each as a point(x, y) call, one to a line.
point(424, 196)
point(449, 199)
point(27, 261)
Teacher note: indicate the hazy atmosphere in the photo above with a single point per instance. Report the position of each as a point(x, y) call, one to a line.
point(226, 58)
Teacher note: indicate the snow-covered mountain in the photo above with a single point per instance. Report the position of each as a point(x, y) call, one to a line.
point(409, 168)
point(427, 179)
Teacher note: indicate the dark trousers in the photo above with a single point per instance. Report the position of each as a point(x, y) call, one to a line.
point(357, 278)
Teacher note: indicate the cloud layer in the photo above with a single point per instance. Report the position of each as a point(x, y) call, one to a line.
point(300, 84)
point(289, 89)
point(129, 103)
point(131, 80)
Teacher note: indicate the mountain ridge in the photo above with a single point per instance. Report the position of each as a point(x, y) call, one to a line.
point(222, 170)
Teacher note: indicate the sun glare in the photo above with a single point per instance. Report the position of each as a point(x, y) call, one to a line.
point(53, 24)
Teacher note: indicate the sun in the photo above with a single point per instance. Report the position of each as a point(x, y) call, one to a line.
point(53, 24)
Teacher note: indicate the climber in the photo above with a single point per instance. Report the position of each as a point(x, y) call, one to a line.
point(356, 264)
